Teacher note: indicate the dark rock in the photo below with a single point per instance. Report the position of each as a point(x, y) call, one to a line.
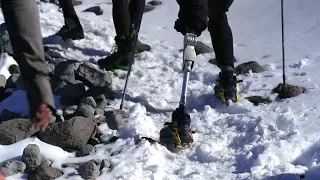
point(7, 115)
point(76, 2)
point(256, 100)
point(85, 111)
point(288, 91)
point(102, 102)
point(3, 81)
point(14, 69)
point(246, 67)
point(155, 3)
point(70, 135)
point(65, 70)
point(105, 164)
point(15, 81)
point(92, 76)
point(13, 167)
point(67, 102)
point(97, 92)
point(15, 130)
point(99, 111)
point(93, 141)
point(44, 172)
point(69, 110)
point(95, 9)
point(116, 118)
point(202, 48)
point(148, 8)
point(86, 150)
point(102, 119)
point(72, 91)
point(89, 170)
point(57, 84)
point(89, 101)
point(52, 60)
point(31, 156)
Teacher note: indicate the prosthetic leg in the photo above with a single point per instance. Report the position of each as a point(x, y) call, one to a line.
point(178, 134)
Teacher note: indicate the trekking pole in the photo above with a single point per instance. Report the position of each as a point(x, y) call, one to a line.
point(283, 44)
point(132, 54)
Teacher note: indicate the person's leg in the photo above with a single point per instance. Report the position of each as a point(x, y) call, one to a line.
point(222, 42)
point(72, 28)
point(22, 21)
point(121, 18)
point(135, 9)
point(192, 16)
point(220, 31)
point(191, 23)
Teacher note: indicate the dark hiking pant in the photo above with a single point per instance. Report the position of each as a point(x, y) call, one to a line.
point(69, 14)
point(125, 13)
point(193, 16)
point(22, 21)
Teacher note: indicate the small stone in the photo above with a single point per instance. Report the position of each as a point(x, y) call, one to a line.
point(288, 91)
point(248, 66)
point(256, 100)
point(31, 156)
point(89, 170)
point(155, 3)
point(95, 9)
point(148, 8)
point(93, 141)
point(86, 150)
point(98, 92)
point(13, 167)
point(105, 164)
point(89, 101)
point(85, 111)
point(76, 2)
point(15, 81)
point(116, 118)
point(14, 69)
point(99, 112)
point(69, 110)
point(44, 172)
point(92, 76)
point(15, 130)
point(202, 48)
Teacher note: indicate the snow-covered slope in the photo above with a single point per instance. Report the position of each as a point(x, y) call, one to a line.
point(241, 141)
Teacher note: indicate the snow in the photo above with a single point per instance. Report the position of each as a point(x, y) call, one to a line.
point(242, 141)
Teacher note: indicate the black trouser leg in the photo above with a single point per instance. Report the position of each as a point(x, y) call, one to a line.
point(136, 8)
point(69, 14)
point(192, 16)
point(220, 31)
point(121, 17)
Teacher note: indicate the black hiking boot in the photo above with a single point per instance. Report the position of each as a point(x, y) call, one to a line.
point(178, 133)
point(71, 31)
point(226, 87)
point(120, 55)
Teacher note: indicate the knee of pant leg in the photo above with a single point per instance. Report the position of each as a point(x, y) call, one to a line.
point(216, 18)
